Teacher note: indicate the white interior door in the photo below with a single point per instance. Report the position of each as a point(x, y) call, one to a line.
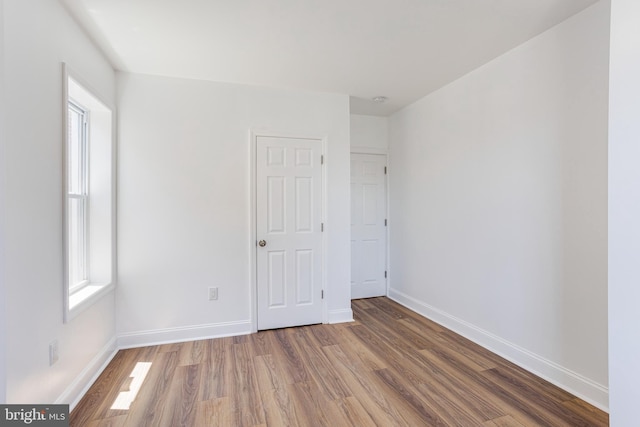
point(288, 231)
point(368, 226)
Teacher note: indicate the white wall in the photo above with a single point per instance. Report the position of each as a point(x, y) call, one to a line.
point(38, 36)
point(370, 133)
point(3, 345)
point(184, 212)
point(498, 199)
point(624, 213)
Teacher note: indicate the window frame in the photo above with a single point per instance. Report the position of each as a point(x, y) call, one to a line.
point(99, 252)
point(82, 195)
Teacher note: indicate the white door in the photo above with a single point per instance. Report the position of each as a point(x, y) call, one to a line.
point(289, 235)
point(368, 226)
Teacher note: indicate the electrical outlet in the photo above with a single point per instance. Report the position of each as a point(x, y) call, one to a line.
point(213, 294)
point(53, 352)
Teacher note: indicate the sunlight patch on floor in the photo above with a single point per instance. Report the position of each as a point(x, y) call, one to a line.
point(125, 398)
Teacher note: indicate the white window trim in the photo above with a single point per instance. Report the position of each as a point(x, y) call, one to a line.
point(83, 194)
point(88, 292)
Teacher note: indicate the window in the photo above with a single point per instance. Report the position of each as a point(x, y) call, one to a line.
point(89, 183)
point(77, 196)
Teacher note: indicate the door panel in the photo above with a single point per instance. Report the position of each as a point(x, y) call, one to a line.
point(288, 219)
point(368, 229)
point(304, 204)
point(276, 280)
point(275, 204)
point(304, 276)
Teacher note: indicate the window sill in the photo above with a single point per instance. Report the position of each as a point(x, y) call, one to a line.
point(85, 298)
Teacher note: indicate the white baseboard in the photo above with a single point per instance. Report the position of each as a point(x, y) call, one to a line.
point(187, 333)
point(77, 389)
point(340, 316)
point(576, 384)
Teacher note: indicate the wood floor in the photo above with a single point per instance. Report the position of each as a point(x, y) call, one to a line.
point(389, 368)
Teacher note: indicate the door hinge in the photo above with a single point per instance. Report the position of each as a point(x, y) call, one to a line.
point(322, 293)
point(322, 226)
point(385, 274)
point(385, 170)
point(385, 222)
point(322, 159)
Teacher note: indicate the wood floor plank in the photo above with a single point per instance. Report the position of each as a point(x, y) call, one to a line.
point(394, 311)
point(451, 409)
point(364, 303)
point(506, 421)
point(354, 413)
point(538, 403)
point(450, 406)
point(289, 358)
point(484, 405)
point(445, 352)
point(180, 406)
point(534, 413)
point(538, 385)
point(247, 402)
point(268, 374)
point(240, 339)
point(405, 396)
point(104, 390)
point(445, 385)
point(427, 376)
point(279, 408)
point(169, 348)
point(118, 421)
point(192, 352)
point(541, 386)
point(508, 403)
point(442, 338)
point(216, 372)
point(403, 336)
point(146, 409)
point(359, 353)
point(215, 413)
point(372, 398)
point(318, 365)
point(390, 367)
point(259, 344)
point(119, 377)
point(473, 351)
point(315, 408)
point(406, 363)
point(594, 415)
point(325, 334)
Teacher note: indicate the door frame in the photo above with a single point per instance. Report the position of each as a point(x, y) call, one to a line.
point(254, 134)
point(385, 153)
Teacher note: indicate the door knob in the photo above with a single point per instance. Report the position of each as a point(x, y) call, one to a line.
point(262, 243)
